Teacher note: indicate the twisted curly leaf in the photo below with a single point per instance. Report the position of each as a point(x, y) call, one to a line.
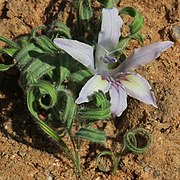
point(114, 162)
point(131, 143)
point(138, 21)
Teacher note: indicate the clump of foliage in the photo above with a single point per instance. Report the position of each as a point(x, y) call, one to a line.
point(52, 79)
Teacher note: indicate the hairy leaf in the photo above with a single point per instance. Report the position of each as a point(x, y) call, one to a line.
point(91, 134)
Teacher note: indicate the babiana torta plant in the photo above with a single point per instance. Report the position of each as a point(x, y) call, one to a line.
point(71, 83)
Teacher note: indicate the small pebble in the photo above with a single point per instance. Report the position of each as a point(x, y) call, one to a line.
point(22, 153)
point(147, 168)
point(175, 33)
point(50, 176)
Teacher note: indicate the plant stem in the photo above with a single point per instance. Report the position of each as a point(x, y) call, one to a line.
point(76, 151)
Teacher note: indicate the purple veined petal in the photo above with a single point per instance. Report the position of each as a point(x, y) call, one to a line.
point(138, 87)
point(118, 100)
point(95, 84)
point(110, 29)
point(144, 55)
point(80, 51)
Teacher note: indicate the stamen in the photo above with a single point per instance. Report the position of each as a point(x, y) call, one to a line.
point(115, 83)
point(108, 59)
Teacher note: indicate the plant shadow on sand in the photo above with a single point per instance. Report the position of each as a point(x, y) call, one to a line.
point(16, 122)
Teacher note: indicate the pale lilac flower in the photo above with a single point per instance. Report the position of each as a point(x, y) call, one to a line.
point(121, 81)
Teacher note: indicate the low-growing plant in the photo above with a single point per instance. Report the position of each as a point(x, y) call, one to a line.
point(76, 82)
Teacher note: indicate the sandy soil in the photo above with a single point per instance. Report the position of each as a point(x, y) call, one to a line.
point(27, 154)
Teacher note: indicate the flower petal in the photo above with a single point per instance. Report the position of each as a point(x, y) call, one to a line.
point(95, 84)
point(110, 29)
point(118, 100)
point(80, 51)
point(144, 55)
point(138, 87)
point(99, 64)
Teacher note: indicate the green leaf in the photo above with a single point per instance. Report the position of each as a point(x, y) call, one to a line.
point(35, 69)
point(24, 56)
point(45, 88)
point(10, 51)
point(36, 29)
point(69, 112)
point(24, 41)
point(138, 21)
point(109, 3)
point(63, 70)
point(114, 162)
point(100, 99)
point(91, 134)
point(135, 26)
point(4, 67)
point(94, 114)
point(31, 101)
point(9, 42)
point(34, 63)
point(99, 112)
point(85, 10)
point(46, 45)
point(58, 29)
point(131, 141)
point(80, 75)
point(139, 37)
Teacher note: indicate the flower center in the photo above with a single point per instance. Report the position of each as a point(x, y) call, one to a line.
point(114, 82)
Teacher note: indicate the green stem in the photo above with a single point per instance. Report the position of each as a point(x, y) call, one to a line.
point(122, 150)
point(59, 141)
point(76, 151)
